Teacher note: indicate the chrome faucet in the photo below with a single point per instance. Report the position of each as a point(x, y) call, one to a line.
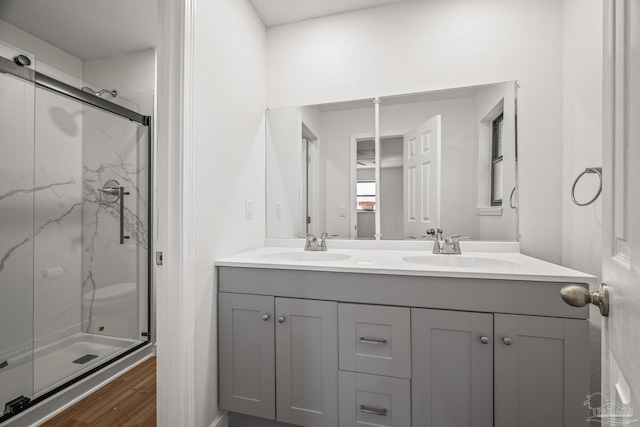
point(452, 245)
point(312, 244)
point(448, 246)
point(436, 237)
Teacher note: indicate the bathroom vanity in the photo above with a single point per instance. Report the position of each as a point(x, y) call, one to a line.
point(399, 338)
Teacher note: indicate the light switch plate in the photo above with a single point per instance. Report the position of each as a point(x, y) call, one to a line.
point(278, 210)
point(248, 209)
point(342, 212)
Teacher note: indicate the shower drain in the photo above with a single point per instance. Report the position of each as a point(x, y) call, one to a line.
point(85, 359)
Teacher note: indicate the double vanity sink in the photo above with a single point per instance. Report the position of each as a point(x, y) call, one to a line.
point(399, 337)
point(458, 262)
point(484, 263)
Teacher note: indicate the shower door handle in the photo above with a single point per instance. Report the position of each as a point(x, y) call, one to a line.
point(122, 193)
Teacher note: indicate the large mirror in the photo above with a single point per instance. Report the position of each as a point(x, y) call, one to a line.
point(393, 167)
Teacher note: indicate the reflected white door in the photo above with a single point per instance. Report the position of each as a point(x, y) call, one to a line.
point(421, 170)
point(621, 204)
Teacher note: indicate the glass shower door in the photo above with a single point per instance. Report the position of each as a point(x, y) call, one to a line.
point(16, 238)
point(74, 232)
point(91, 248)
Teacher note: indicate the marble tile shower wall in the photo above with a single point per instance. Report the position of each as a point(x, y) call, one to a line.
point(57, 249)
point(114, 149)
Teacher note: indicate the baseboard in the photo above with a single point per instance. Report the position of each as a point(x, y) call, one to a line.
point(221, 421)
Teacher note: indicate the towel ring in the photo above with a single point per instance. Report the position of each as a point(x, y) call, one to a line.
point(596, 170)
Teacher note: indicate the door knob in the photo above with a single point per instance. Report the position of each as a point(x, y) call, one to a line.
point(281, 319)
point(265, 317)
point(578, 296)
point(507, 341)
point(484, 340)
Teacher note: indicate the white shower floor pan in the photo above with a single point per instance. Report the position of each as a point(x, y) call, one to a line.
point(53, 365)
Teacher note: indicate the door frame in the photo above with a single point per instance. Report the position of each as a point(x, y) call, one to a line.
point(175, 295)
point(310, 172)
point(353, 174)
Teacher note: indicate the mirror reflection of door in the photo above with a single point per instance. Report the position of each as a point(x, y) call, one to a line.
point(421, 170)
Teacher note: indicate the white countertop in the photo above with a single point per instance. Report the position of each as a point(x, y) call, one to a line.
point(480, 264)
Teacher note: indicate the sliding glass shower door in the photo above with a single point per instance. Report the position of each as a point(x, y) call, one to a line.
point(17, 99)
point(74, 237)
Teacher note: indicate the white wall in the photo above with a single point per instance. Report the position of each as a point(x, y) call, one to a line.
point(283, 151)
point(418, 46)
point(582, 113)
point(43, 51)
point(132, 75)
point(337, 128)
point(228, 131)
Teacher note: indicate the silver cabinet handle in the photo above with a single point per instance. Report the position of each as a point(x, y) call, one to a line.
point(507, 341)
point(265, 317)
point(484, 340)
point(373, 341)
point(374, 411)
point(281, 319)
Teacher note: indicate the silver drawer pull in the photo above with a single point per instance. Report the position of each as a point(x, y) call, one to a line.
point(373, 341)
point(374, 411)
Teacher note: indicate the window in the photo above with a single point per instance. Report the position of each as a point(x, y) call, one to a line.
point(496, 161)
point(366, 195)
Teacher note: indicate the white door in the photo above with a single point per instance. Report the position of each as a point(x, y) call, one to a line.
point(421, 171)
point(621, 204)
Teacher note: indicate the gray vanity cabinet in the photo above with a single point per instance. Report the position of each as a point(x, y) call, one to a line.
point(247, 354)
point(324, 349)
point(452, 366)
point(290, 342)
point(542, 370)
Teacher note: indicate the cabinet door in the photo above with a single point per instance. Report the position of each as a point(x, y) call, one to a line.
point(307, 362)
point(247, 354)
point(452, 368)
point(542, 371)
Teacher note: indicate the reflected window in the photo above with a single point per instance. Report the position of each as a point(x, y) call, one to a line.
point(366, 195)
point(496, 160)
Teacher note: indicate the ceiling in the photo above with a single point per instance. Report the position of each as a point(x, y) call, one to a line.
point(391, 153)
point(87, 29)
point(278, 12)
point(92, 29)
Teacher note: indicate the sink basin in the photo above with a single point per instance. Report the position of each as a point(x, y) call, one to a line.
point(461, 261)
point(313, 256)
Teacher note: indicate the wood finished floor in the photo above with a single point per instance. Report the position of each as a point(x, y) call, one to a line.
point(129, 400)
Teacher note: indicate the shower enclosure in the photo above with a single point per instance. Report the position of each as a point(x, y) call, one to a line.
point(75, 247)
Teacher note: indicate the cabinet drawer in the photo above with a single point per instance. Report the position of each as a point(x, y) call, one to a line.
point(367, 400)
point(375, 339)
